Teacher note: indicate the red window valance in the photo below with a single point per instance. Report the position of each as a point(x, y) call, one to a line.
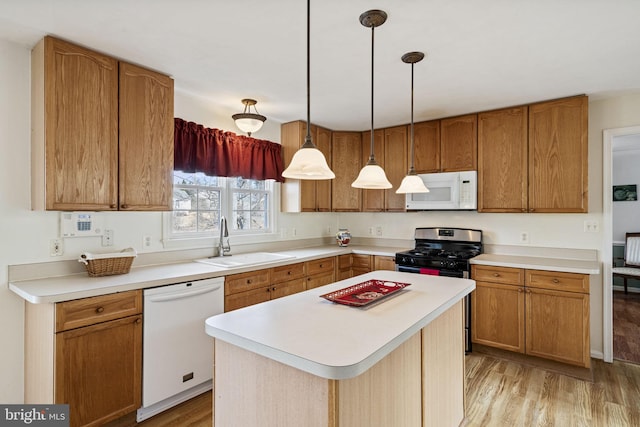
point(219, 153)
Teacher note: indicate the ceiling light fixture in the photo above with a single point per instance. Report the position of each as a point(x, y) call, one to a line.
point(308, 162)
point(372, 176)
point(412, 183)
point(247, 121)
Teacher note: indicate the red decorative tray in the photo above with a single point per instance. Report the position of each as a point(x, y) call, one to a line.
point(365, 293)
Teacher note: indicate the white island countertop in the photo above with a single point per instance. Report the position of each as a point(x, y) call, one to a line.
point(335, 341)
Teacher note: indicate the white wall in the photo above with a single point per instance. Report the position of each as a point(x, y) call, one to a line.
point(626, 214)
point(26, 234)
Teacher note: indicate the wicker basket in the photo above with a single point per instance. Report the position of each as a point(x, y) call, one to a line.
point(110, 264)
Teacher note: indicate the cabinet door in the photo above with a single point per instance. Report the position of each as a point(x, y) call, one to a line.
point(146, 139)
point(384, 262)
point(98, 370)
point(287, 288)
point(76, 130)
point(497, 312)
point(558, 156)
point(361, 264)
point(323, 186)
point(426, 139)
point(395, 166)
point(502, 160)
point(346, 150)
point(458, 143)
point(558, 326)
point(373, 200)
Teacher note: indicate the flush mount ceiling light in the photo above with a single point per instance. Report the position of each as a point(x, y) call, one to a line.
point(247, 121)
point(412, 183)
point(372, 176)
point(308, 162)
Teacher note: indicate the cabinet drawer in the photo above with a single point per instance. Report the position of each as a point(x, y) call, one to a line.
point(572, 282)
point(246, 281)
point(320, 265)
point(247, 298)
point(92, 310)
point(361, 261)
point(504, 275)
point(287, 272)
point(287, 288)
point(320, 279)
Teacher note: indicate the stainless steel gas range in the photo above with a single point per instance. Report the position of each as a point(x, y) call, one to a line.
point(444, 252)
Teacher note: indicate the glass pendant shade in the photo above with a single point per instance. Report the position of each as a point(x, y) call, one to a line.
point(247, 121)
point(412, 184)
point(308, 163)
point(371, 177)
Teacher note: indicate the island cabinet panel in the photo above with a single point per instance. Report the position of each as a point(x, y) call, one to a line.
point(502, 160)
point(426, 140)
point(346, 152)
point(419, 378)
point(443, 375)
point(459, 143)
point(558, 155)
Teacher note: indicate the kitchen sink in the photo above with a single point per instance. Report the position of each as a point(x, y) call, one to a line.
point(242, 260)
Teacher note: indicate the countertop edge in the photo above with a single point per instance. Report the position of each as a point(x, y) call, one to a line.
point(538, 263)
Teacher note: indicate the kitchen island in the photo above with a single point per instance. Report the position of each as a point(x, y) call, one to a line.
point(303, 360)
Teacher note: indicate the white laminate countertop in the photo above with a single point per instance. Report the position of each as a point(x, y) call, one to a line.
point(74, 286)
point(539, 263)
point(336, 341)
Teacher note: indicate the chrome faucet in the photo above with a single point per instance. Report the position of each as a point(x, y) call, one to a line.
point(224, 232)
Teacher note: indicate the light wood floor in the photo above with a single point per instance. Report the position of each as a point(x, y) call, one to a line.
point(505, 393)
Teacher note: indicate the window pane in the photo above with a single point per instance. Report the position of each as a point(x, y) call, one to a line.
point(241, 220)
point(183, 198)
point(208, 199)
point(258, 220)
point(183, 178)
point(241, 201)
point(208, 221)
point(184, 221)
point(258, 201)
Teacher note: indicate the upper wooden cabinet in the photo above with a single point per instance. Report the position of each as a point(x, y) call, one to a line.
point(305, 195)
point(390, 150)
point(426, 140)
point(458, 143)
point(558, 155)
point(145, 139)
point(534, 159)
point(80, 101)
point(346, 152)
point(502, 160)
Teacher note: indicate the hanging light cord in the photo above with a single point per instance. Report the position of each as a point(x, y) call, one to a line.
point(412, 170)
point(308, 143)
point(372, 160)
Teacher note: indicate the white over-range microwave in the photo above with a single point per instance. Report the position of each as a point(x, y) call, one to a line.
point(448, 191)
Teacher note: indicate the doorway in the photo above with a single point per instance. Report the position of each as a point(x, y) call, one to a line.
point(616, 310)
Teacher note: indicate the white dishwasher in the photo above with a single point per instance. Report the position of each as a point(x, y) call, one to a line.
point(177, 358)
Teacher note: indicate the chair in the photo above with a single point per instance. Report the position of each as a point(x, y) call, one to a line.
point(631, 267)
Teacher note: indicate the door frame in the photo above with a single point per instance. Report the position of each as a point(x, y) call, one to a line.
point(608, 136)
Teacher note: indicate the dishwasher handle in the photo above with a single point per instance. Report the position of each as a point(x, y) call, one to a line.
point(181, 295)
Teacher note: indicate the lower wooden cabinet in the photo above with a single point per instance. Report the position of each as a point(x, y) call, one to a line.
point(86, 353)
point(361, 264)
point(320, 272)
point(535, 312)
point(384, 262)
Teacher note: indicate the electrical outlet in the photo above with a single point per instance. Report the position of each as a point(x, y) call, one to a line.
point(328, 230)
point(55, 247)
point(370, 231)
point(146, 241)
point(591, 226)
point(107, 238)
point(294, 232)
point(378, 230)
point(524, 237)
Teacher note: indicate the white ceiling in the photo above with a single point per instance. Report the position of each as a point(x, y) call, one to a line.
point(480, 54)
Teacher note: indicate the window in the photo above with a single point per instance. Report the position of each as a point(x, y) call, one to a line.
point(200, 200)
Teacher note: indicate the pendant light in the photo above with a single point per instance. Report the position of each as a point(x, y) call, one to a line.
point(308, 162)
point(247, 121)
point(412, 183)
point(372, 176)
